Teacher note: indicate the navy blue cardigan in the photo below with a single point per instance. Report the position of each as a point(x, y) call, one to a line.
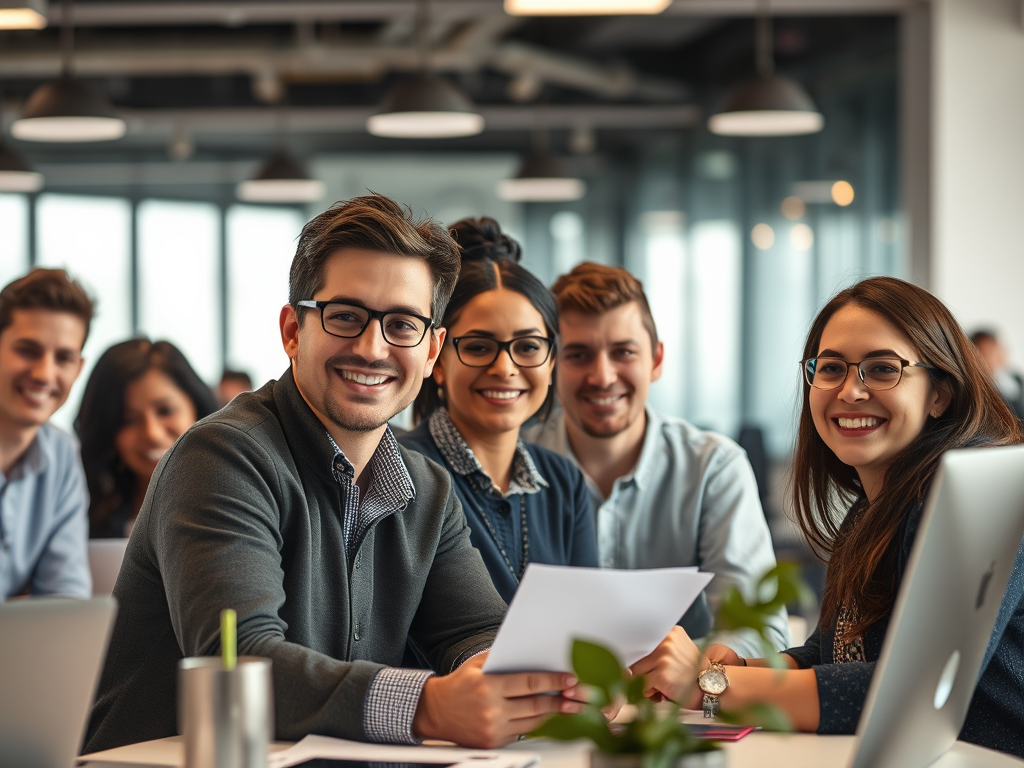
point(995, 718)
point(560, 524)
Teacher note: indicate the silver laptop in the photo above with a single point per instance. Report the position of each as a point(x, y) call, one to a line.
point(52, 653)
point(105, 558)
point(945, 610)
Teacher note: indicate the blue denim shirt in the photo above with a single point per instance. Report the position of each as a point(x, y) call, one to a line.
point(44, 525)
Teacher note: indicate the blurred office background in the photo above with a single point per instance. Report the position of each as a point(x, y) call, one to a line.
point(918, 171)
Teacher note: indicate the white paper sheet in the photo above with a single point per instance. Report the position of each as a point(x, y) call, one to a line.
point(340, 749)
point(629, 612)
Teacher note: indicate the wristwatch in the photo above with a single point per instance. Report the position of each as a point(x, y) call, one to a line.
point(713, 682)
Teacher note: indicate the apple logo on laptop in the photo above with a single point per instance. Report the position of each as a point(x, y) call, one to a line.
point(983, 586)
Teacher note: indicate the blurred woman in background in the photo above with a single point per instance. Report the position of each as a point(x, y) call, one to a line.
point(141, 396)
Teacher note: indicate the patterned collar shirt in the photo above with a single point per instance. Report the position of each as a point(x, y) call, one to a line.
point(526, 478)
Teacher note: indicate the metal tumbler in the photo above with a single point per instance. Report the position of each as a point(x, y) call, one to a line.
point(226, 716)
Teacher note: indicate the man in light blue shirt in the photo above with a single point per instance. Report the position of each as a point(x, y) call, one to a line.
point(44, 321)
point(665, 493)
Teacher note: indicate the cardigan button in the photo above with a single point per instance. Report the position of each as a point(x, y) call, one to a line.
point(355, 635)
point(504, 507)
point(358, 557)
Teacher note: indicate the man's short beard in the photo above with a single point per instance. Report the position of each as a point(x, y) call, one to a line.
point(603, 434)
point(371, 421)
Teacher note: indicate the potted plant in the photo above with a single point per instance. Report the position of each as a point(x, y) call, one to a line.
point(655, 737)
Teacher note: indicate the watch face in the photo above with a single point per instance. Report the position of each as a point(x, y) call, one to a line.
point(713, 681)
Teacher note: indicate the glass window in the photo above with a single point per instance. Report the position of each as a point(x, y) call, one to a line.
point(179, 280)
point(261, 244)
point(13, 237)
point(665, 280)
point(715, 307)
point(91, 238)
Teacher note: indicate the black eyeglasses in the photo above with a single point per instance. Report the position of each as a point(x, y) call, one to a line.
point(399, 329)
point(480, 351)
point(878, 373)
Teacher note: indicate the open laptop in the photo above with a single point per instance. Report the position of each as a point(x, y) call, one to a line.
point(51, 652)
point(945, 611)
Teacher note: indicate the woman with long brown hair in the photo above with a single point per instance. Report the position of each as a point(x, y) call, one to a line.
point(890, 383)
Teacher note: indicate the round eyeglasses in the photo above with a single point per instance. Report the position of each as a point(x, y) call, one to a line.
point(399, 329)
point(876, 373)
point(525, 352)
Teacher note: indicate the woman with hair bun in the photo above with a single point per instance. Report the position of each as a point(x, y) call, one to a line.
point(141, 396)
point(523, 503)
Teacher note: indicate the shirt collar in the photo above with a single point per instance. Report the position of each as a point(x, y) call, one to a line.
point(526, 478)
point(389, 477)
point(648, 452)
point(32, 461)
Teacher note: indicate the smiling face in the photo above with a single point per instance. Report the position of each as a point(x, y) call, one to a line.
point(606, 368)
point(156, 413)
point(356, 385)
point(866, 428)
point(498, 398)
point(40, 358)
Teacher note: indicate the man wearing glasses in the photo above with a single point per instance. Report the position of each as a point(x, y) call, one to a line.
point(295, 506)
point(664, 492)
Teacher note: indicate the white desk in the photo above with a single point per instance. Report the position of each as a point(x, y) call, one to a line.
point(758, 750)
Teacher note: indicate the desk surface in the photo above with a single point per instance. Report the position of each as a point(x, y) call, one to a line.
point(758, 750)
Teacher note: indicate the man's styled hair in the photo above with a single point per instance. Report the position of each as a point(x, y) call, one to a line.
point(593, 289)
point(50, 289)
point(375, 223)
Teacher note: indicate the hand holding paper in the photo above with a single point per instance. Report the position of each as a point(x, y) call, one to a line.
point(629, 612)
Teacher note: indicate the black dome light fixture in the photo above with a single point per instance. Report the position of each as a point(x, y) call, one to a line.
point(67, 109)
point(15, 174)
point(543, 177)
point(281, 179)
point(425, 106)
point(767, 104)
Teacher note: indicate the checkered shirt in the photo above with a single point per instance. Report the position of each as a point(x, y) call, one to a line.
point(393, 694)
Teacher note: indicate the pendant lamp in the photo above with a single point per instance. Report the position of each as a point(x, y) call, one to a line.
point(22, 14)
point(68, 109)
point(768, 104)
point(542, 178)
point(425, 106)
point(282, 179)
point(15, 174)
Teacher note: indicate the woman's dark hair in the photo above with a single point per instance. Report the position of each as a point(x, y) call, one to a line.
point(862, 561)
point(490, 259)
point(101, 415)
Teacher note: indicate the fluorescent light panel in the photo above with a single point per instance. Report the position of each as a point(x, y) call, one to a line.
point(56, 129)
point(22, 14)
point(425, 125)
point(766, 122)
point(20, 181)
point(584, 7)
point(280, 190)
point(541, 190)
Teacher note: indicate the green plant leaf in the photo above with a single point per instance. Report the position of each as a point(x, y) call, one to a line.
point(588, 724)
point(597, 666)
point(635, 688)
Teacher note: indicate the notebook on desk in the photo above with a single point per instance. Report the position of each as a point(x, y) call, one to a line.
point(945, 611)
point(52, 653)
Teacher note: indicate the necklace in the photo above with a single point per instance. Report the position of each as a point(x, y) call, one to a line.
point(494, 535)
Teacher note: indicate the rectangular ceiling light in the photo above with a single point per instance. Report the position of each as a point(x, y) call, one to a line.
point(584, 7)
point(22, 14)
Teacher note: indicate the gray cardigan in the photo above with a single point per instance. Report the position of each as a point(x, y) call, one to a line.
point(244, 512)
